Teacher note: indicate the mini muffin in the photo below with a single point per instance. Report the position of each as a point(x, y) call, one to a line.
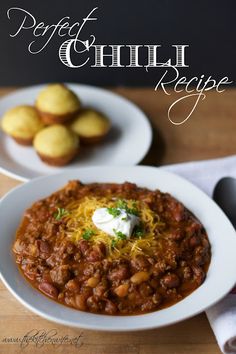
point(56, 145)
point(57, 104)
point(91, 126)
point(22, 123)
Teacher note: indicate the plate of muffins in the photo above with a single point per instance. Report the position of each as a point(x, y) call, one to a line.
point(48, 128)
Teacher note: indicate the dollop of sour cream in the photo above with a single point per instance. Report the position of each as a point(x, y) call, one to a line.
point(124, 222)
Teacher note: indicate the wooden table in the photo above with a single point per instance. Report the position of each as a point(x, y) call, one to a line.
point(209, 133)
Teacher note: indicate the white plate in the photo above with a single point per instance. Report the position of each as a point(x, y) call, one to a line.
point(220, 277)
point(127, 143)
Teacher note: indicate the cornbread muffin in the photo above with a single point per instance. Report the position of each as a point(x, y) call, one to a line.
point(22, 123)
point(91, 126)
point(56, 145)
point(57, 104)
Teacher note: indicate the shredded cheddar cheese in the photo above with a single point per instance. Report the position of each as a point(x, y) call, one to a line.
point(79, 219)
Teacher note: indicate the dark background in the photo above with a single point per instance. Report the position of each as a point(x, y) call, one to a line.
point(209, 27)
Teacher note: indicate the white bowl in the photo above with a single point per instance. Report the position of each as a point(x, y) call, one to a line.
point(220, 278)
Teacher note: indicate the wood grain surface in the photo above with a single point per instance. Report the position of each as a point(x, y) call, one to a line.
point(209, 133)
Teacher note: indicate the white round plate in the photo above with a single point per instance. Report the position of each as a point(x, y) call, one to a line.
point(220, 277)
point(127, 143)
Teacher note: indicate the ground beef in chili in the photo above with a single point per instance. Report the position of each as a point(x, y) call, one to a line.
point(80, 274)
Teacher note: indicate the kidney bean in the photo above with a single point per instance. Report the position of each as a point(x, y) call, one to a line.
point(119, 273)
point(154, 283)
point(170, 280)
point(48, 289)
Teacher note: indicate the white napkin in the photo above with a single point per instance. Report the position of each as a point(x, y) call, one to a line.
point(205, 174)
